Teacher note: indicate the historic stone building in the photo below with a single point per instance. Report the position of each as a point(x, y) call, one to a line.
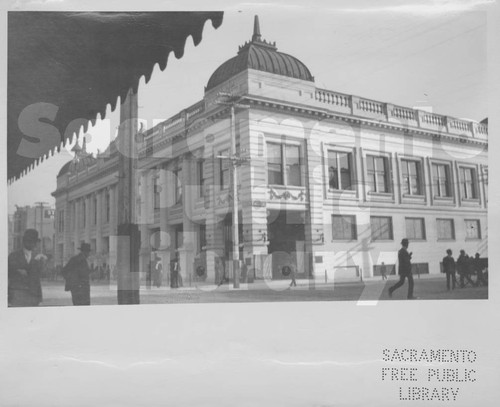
point(327, 182)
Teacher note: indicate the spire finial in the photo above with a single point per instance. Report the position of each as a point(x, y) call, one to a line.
point(256, 29)
point(84, 145)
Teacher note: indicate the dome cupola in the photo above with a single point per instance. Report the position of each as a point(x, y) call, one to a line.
point(260, 55)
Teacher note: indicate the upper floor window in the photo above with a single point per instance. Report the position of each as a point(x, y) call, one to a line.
point(156, 192)
point(225, 176)
point(339, 170)
point(468, 184)
point(411, 182)
point(283, 164)
point(441, 182)
point(378, 173)
point(95, 208)
point(84, 213)
point(60, 222)
point(201, 178)
point(178, 185)
point(108, 205)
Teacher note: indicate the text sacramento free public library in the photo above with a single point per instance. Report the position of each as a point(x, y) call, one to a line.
point(429, 355)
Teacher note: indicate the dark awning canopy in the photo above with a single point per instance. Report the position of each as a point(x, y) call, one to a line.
point(65, 67)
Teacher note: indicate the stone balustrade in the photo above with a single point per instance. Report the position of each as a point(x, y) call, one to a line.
point(372, 109)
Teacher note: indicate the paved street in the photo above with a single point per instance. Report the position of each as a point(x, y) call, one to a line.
point(426, 288)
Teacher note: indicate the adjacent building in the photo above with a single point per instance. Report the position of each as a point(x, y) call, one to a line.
point(327, 183)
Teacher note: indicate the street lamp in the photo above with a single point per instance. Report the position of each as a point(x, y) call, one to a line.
point(236, 160)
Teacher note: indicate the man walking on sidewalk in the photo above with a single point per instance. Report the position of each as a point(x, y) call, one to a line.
point(404, 272)
point(77, 275)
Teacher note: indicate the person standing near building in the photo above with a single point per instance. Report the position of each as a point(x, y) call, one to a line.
point(383, 271)
point(77, 275)
point(404, 258)
point(24, 268)
point(449, 268)
point(463, 266)
point(478, 268)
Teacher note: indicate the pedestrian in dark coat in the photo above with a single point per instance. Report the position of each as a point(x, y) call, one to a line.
point(24, 269)
point(404, 258)
point(449, 268)
point(463, 267)
point(77, 275)
point(478, 268)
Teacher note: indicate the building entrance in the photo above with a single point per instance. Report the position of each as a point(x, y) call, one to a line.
point(286, 233)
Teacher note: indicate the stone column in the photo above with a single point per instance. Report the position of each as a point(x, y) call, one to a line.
point(98, 226)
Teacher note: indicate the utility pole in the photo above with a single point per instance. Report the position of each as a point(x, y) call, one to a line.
point(236, 161)
point(41, 206)
point(128, 235)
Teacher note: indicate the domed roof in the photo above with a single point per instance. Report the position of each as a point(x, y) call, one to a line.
point(64, 169)
point(263, 56)
point(82, 159)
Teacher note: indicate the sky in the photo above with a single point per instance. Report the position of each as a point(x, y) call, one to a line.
point(426, 54)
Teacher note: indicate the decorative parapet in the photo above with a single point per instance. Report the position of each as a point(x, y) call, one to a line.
point(372, 109)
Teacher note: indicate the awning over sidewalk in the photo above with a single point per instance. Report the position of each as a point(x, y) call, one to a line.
point(65, 67)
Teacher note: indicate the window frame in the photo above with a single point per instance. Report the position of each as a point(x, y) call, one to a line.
point(473, 182)
point(350, 160)
point(178, 185)
point(453, 229)
point(387, 174)
point(354, 228)
point(424, 232)
point(436, 183)
point(285, 182)
point(404, 162)
point(222, 170)
point(478, 223)
point(391, 229)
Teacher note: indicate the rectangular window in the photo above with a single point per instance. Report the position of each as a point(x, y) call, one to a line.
point(445, 229)
point(340, 170)
point(60, 222)
point(156, 192)
point(283, 164)
point(472, 229)
point(203, 236)
point(344, 227)
point(108, 206)
point(415, 228)
point(84, 211)
point(468, 183)
point(378, 173)
point(201, 179)
point(381, 227)
point(274, 164)
point(94, 205)
point(225, 176)
point(178, 185)
point(441, 182)
point(411, 182)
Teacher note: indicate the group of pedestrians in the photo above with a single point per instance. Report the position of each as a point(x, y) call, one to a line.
point(465, 267)
point(24, 272)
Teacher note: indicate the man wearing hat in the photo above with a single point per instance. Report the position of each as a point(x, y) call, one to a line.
point(77, 273)
point(404, 259)
point(24, 289)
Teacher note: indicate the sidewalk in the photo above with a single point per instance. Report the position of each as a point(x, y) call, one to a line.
point(428, 287)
